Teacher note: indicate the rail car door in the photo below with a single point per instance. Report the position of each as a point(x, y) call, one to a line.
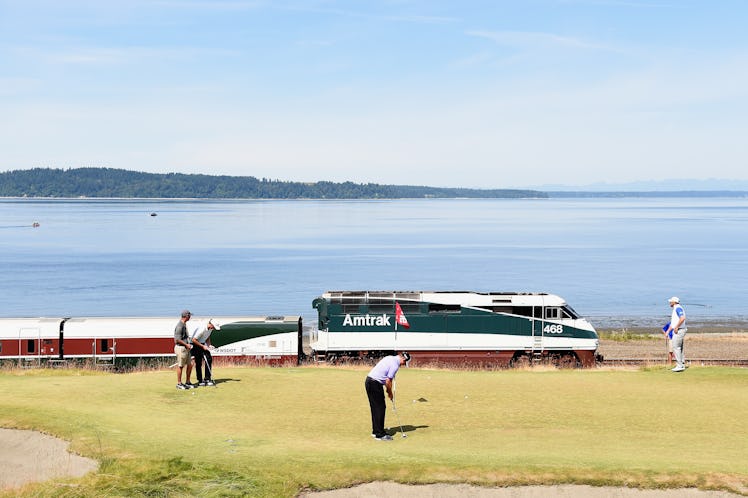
point(29, 343)
point(538, 327)
point(104, 350)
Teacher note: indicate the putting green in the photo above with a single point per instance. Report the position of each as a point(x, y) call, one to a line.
point(274, 431)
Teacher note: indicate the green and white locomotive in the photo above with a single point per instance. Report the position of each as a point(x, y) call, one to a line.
point(453, 327)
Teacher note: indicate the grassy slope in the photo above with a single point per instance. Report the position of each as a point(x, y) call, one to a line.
point(273, 431)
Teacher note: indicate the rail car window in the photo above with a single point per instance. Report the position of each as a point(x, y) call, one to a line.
point(30, 346)
point(104, 345)
point(523, 310)
point(444, 308)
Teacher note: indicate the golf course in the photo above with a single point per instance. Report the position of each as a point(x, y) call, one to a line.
point(272, 432)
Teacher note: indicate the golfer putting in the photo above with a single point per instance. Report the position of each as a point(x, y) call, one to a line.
point(200, 342)
point(379, 380)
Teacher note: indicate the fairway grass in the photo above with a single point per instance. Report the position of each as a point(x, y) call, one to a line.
point(276, 431)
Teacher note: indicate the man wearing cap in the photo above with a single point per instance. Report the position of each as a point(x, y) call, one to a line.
point(201, 350)
point(679, 329)
point(182, 350)
point(380, 376)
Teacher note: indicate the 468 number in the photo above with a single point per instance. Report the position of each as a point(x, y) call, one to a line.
point(553, 329)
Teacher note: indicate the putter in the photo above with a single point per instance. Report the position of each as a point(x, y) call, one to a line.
point(398, 418)
point(210, 370)
point(394, 408)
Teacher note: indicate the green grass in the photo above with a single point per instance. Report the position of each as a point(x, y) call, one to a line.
point(275, 431)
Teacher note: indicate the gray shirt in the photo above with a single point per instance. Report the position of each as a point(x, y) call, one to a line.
point(180, 333)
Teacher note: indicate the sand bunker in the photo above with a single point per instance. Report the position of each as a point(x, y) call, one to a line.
point(384, 489)
point(30, 456)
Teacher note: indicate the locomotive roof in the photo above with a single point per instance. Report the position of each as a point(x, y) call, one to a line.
point(464, 298)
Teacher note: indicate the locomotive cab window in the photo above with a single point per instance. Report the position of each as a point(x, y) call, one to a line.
point(30, 346)
point(554, 313)
point(104, 345)
point(569, 312)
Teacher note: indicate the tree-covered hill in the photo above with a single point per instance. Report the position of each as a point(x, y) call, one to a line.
point(109, 182)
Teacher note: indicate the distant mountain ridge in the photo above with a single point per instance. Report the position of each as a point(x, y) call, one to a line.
point(119, 183)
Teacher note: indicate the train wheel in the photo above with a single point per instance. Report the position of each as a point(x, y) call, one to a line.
point(521, 361)
point(568, 361)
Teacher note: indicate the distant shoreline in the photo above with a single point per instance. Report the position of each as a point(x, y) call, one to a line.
point(689, 194)
point(113, 183)
point(737, 194)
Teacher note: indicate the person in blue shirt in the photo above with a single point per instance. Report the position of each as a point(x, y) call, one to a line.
point(679, 329)
point(379, 380)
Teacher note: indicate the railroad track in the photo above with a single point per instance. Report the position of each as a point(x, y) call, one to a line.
point(689, 362)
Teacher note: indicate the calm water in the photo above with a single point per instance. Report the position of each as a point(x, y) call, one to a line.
point(610, 258)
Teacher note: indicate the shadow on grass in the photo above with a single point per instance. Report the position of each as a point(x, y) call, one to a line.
point(407, 428)
point(221, 381)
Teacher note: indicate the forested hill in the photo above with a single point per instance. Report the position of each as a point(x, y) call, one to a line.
point(108, 182)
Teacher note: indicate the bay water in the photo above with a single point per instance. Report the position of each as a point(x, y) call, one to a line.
point(615, 261)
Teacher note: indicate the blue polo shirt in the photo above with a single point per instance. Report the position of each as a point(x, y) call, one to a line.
point(386, 369)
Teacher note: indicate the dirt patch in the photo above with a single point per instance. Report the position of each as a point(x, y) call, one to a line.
point(30, 456)
point(384, 489)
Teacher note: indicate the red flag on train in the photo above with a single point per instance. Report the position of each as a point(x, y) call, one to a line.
point(400, 317)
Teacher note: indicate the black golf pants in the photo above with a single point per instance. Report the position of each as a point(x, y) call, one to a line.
point(202, 355)
point(375, 392)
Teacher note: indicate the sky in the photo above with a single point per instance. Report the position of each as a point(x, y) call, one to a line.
point(468, 93)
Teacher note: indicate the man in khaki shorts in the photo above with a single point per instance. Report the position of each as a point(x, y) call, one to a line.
point(182, 350)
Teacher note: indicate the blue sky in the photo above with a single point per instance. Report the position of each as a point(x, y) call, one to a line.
point(465, 93)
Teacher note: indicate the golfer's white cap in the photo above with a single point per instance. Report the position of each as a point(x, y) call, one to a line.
point(674, 299)
point(215, 324)
point(406, 356)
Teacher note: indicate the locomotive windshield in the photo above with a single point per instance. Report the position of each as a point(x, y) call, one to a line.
point(569, 312)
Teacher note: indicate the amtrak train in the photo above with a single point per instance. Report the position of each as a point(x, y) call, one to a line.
point(436, 327)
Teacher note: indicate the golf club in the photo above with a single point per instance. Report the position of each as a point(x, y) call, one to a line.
point(209, 370)
point(394, 408)
point(398, 418)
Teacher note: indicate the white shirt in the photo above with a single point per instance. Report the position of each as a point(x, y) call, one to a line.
point(201, 332)
point(676, 316)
